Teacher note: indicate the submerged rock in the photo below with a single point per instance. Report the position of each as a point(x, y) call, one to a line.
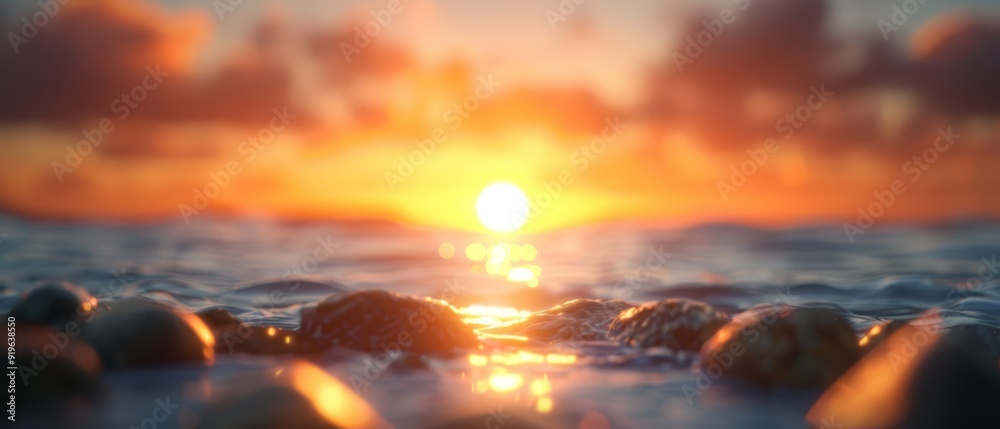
point(53, 367)
point(782, 346)
point(136, 333)
point(53, 304)
point(576, 320)
point(299, 395)
point(265, 408)
point(679, 324)
point(233, 335)
point(955, 385)
point(380, 321)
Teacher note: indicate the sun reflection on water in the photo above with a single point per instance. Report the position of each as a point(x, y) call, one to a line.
point(516, 375)
point(509, 260)
point(488, 315)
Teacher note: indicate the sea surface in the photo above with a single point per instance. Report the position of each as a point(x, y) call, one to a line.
point(886, 273)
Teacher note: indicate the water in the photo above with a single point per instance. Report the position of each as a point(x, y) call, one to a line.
point(886, 273)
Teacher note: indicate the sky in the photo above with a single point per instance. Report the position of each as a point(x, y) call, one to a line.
point(773, 112)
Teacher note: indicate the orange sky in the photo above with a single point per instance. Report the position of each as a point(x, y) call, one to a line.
point(640, 139)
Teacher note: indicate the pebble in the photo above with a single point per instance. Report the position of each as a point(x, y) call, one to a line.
point(297, 395)
point(135, 333)
point(380, 321)
point(782, 347)
point(678, 324)
point(53, 304)
point(956, 384)
point(922, 377)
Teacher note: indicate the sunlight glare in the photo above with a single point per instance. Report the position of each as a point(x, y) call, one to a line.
point(502, 207)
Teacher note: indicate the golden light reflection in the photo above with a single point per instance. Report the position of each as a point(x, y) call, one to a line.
point(271, 331)
point(503, 381)
point(537, 392)
point(872, 333)
point(336, 402)
point(522, 357)
point(205, 334)
point(529, 252)
point(475, 252)
point(514, 252)
point(560, 359)
point(488, 315)
point(544, 405)
point(541, 387)
point(498, 252)
point(520, 274)
point(446, 250)
point(478, 360)
point(506, 259)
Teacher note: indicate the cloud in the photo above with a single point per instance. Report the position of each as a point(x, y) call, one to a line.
point(89, 54)
point(732, 86)
point(956, 59)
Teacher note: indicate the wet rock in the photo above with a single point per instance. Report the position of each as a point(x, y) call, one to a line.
point(299, 395)
point(379, 321)
point(53, 304)
point(266, 408)
point(135, 333)
point(782, 346)
point(921, 376)
point(576, 320)
point(955, 385)
point(53, 367)
point(984, 339)
point(679, 324)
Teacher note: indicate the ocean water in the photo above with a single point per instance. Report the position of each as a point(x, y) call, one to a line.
point(886, 273)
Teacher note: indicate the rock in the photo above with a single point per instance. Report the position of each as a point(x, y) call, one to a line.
point(136, 333)
point(53, 367)
point(921, 376)
point(266, 408)
point(576, 320)
point(955, 385)
point(678, 324)
point(782, 347)
point(299, 395)
point(379, 321)
point(233, 335)
point(53, 304)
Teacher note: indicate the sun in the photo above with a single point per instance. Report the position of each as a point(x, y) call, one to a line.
point(502, 207)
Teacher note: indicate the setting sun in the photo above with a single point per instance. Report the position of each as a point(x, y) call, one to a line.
point(502, 207)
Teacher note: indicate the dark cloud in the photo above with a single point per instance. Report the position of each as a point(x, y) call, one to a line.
point(956, 63)
point(88, 55)
point(782, 48)
point(769, 43)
